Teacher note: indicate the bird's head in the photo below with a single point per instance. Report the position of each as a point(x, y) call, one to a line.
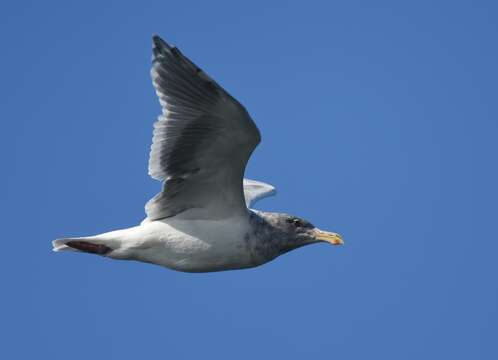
point(302, 232)
point(291, 232)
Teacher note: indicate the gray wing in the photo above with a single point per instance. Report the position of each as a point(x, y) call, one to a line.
point(201, 142)
point(256, 190)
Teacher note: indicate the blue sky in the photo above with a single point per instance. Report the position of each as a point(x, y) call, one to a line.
point(379, 121)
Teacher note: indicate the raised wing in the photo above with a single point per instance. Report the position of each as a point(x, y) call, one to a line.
point(256, 190)
point(201, 143)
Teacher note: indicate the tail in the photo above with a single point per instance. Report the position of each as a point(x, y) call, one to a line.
point(60, 244)
point(83, 244)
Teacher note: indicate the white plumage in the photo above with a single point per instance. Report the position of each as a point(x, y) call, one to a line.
point(201, 220)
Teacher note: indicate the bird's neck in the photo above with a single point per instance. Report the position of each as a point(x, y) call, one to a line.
point(266, 238)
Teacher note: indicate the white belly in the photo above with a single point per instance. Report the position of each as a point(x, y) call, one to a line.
point(192, 245)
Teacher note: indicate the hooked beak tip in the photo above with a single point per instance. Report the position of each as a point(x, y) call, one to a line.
point(330, 237)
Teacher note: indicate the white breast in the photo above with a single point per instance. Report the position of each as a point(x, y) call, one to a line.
point(192, 245)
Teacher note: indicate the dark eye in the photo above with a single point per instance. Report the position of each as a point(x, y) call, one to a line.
point(296, 222)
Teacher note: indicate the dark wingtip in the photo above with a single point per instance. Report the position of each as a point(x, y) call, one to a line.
point(160, 43)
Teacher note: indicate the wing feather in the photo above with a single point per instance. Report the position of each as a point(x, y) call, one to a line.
point(257, 190)
point(201, 142)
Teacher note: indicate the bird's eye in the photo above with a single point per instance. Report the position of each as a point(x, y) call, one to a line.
point(295, 222)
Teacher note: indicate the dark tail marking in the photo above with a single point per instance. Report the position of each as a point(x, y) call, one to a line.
point(89, 247)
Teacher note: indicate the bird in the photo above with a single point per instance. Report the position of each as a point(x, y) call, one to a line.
point(203, 218)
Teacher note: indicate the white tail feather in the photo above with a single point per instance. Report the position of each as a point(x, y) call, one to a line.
point(60, 244)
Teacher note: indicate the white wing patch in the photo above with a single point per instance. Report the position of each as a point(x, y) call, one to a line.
point(256, 190)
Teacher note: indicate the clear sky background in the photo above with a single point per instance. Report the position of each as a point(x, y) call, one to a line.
point(379, 121)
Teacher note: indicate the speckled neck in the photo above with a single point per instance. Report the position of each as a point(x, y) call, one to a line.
point(266, 240)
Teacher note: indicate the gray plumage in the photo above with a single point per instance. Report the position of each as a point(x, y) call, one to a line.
point(201, 142)
point(202, 220)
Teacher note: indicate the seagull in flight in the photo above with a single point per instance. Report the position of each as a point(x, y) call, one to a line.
point(202, 220)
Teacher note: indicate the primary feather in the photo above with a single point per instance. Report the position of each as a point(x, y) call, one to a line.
point(201, 142)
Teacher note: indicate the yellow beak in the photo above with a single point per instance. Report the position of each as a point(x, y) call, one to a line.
point(330, 237)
